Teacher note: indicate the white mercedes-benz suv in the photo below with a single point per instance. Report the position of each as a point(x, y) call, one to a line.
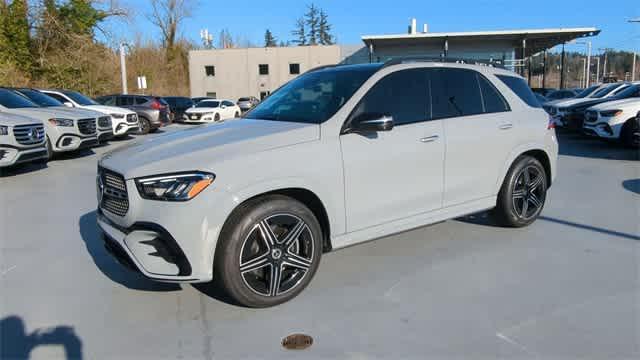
point(123, 121)
point(22, 140)
point(338, 156)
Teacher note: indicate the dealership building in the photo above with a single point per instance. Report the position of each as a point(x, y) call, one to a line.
point(235, 73)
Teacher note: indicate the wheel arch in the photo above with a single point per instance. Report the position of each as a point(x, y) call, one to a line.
point(307, 197)
point(536, 152)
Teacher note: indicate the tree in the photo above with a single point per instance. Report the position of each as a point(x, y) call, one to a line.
point(15, 40)
point(324, 29)
point(300, 33)
point(167, 15)
point(269, 39)
point(312, 20)
point(225, 40)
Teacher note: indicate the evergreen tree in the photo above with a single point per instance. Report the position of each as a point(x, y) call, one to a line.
point(15, 41)
point(312, 20)
point(324, 29)
point(269, 39)
point(300, 33)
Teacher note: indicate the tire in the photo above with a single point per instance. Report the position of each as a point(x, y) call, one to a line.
point(216, 118)
point(242, 243)
point(49, 150)
point(626, 134)
point(145, 126)
point(236, 115)
point(518, 206)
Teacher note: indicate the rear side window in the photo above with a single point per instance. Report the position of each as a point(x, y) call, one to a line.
point(124, 101)
point(141, 100)
point(403, 95)
point(493, 101)
point(455, 92)
point(227, 103)
point(107, 100)
point(520, 88)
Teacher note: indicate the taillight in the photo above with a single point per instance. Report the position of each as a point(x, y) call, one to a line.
point(551, 124)
point(157, 105)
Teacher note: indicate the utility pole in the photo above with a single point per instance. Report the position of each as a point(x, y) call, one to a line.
point(633, 69)
point(588, 72)
point(598, 70)
point(562, 68)
point(123, 68)
point(584, 73)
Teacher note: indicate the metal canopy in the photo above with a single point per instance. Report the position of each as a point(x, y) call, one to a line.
point(536, 39)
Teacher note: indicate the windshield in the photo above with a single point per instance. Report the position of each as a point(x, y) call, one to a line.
point(629, 92)
point(40, 98)
point(208, 104)
point(79, 98)
point(604, 91)
point(587, 91)
point(12, 100)
point(315, 96)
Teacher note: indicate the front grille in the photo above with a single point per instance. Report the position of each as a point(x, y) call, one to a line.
point(590, 116)
point(132, 118)
point(29, 134)
point(104, 122)
point(87, 126)
point(114, 192)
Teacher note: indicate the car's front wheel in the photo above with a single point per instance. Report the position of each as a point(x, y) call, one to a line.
point(268, 252)
point(523, 193)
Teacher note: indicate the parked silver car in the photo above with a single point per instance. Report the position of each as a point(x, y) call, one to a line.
point(22, 139)
point(247, 103)
point(337, 156)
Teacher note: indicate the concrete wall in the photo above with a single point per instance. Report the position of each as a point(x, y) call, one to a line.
point(236, 70)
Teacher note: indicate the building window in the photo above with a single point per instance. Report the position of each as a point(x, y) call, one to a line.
point(264, 94)
point(212, 95)
point(263, 69)
point(210, 70)
point(294, 69)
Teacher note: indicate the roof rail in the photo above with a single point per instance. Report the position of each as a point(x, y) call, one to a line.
point(415, 59)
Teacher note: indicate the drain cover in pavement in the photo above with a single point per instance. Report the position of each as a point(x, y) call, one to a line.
point(297, 342)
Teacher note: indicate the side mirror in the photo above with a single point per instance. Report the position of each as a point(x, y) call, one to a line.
point(372, 122)
point(67, 104)
point(223, 106)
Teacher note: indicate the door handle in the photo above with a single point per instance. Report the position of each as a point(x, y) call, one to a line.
point(506, 126)
point(429, 138)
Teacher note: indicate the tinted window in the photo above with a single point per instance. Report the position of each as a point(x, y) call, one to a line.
point(493, 101)
point(455, 92)
point(185, 102)
point(315, 96)
point(227, 103)
point(244, 99)
point(124, 100)
point(629, 92)
point(141, 100)
point(11, 100)
point(60, 98)
point(604, 91)
point(519, 87)
point(587, 91)
point(208, 104)
point(79, 98)
point(107, 100)
point(40, 98)
point(403, 94)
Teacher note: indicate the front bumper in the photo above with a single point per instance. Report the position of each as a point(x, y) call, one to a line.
point(104, 134)
point(602, 130)
point(71, 142)
point(572, 121)
point(125, 128)
point(11, 155)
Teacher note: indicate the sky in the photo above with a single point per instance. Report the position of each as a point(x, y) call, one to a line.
point(353, 18)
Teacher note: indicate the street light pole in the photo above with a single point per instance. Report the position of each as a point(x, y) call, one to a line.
point(588, 72)
point(123, 69)
point(635, 53)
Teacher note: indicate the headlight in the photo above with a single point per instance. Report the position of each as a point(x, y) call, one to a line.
point(4, 130)
point(610, 113)
point(61, 122)
point(117, 116)
point(176, 187)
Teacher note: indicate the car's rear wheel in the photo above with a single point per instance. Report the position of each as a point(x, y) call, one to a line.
point(145, 126)
point(523, 193)
point(268, 252)
point(627, 133)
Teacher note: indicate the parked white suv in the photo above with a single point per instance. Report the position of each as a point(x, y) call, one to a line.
point(337, 156)
point(207, 111)
point(614, 120)
point(65, 130)
point(22, 139)
point(123, 121)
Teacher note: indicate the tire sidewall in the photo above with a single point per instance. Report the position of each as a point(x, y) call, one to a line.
point(505, 206)
point(240, 224)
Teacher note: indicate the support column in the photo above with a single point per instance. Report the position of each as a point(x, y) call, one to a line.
point(524, 56)
point(562, 61)
point(370, 52)
point(544, 69)
point(446, 48)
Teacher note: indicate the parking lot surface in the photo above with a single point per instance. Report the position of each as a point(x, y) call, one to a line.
point(566, 287)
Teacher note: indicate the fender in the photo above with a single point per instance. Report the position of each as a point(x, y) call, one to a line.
point(513, 155)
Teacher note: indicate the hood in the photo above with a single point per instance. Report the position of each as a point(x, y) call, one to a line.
point(79, 113)
point(104, 109)
point(199, 148)
point(201, 110)
point(14, 120)
point(632, 103)
point(45, 114)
